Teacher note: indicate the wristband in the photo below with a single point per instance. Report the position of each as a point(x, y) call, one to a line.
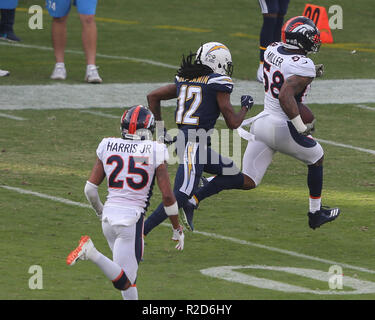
point(298, 124)
point(171, 210)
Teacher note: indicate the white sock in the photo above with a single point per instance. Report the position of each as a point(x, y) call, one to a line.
point(111, 269)
point(90, 66)
point(60, 64)
point(130, 294)
point(314, 204)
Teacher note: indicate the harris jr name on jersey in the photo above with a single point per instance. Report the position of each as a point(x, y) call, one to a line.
point(144, 148)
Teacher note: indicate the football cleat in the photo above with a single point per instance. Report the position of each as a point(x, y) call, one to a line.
point(59, 72)
point(10, 36)
point(4, 73)
point(322, 216)
point(92, 75)
point(203, 182)
point(85, 244)
point(186, 214)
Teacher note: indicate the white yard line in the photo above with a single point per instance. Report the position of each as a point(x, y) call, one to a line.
point(46, 196)
point(365, 107)
point(206, 234)
point(101, 114)
point(348, 146)
point(99, 55)
point(4, 115)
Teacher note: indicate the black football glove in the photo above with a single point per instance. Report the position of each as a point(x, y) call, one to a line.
point(247, 102)
point(167, 139)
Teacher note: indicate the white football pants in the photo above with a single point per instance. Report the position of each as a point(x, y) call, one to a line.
point(273, 134)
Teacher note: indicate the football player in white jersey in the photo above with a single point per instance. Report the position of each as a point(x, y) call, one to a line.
point(130, 164)
point(288, 73)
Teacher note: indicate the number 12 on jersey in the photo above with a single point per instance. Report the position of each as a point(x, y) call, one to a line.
point(187, 93)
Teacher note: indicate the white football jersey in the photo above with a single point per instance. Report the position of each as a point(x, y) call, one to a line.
point(279, 65)
point(130, 166)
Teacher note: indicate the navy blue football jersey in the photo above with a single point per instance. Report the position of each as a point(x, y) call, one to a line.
point(197, 107)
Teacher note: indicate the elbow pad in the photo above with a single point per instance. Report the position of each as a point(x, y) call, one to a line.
point(92, 195)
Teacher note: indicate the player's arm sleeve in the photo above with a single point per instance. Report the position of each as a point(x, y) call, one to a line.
point(92, 196)
point(221, 83)
point(304, 67)
point(96, 177)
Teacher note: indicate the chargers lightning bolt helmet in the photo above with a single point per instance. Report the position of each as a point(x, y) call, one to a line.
point(216, 56)
point(137, 123)
point(301, 33)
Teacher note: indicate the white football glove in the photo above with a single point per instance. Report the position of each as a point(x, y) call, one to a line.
point(178, 235)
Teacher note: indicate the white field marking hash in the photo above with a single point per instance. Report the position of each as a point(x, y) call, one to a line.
point(348, 146)
point(101, 114)
point(207, 234)
point(4, 115)
point(46, 196)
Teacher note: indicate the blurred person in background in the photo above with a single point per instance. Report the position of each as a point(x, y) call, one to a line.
point(59, 11)
point(7, 16)
point(273, 12)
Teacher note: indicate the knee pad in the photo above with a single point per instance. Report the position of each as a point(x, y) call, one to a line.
point(120, 282)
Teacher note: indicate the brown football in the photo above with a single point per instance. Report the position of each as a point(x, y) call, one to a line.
point(305, 112)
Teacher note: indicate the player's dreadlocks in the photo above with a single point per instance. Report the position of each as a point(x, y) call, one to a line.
point(190, 70)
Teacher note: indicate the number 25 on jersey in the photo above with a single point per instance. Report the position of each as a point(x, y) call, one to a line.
point(133, 168)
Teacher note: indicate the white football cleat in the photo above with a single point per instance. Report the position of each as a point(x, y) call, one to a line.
point(260, 73)
point(59, 72)
point(84, 246)
point(4, 73)
point(92, 74)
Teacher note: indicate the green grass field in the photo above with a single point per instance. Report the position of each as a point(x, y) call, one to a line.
point(52, 153)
